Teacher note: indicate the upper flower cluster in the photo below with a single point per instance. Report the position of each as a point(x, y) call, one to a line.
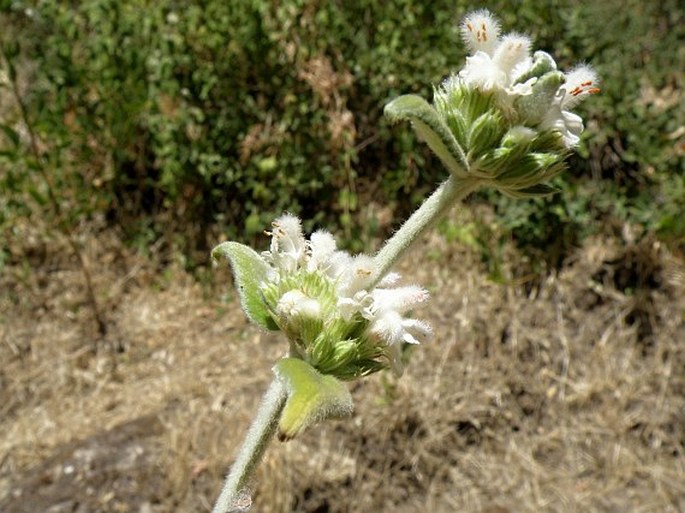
point(325, 301)
point(529, 89)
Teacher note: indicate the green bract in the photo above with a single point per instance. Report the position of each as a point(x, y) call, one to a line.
point(249, 271)
point(312, 397)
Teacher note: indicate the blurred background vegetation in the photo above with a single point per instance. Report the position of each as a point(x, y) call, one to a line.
point(183, 123)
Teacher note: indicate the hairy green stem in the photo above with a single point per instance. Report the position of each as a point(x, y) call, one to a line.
point(256, 441)
point(438, 204)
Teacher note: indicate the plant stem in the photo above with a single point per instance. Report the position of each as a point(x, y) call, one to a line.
point(253, 448)
point(438, 204)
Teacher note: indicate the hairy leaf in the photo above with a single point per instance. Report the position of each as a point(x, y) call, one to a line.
point(249, 271)
point(312, 397)
point(431, 128)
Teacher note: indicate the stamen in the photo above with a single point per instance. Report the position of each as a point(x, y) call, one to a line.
point(583, 88)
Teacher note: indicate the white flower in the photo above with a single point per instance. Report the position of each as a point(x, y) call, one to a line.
point(496, 62)
point(296, 304)
point(356, 276)
point(314, 280)
point(482, 72)
point(322, 247)
point(389, 324)
point(568, 124)
point(287, 243)
point(480, 31)
point(580, 82)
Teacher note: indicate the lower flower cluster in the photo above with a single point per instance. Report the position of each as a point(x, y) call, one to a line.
point(326, 303)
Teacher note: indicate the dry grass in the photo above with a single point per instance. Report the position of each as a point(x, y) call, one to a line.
point(566, 397)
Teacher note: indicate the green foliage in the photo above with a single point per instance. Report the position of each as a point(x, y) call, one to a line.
point(199, 120)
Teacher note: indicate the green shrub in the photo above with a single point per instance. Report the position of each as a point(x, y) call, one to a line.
point(200, 120)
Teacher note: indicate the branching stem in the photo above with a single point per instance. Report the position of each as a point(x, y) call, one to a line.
point(438, 204)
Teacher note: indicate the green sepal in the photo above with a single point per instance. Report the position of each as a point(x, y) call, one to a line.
point(533, 168)
point(249, 271)
point(428, 124)
point(536, 191)
point(312, 397)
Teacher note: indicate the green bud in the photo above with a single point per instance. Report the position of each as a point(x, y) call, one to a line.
point(458, 125)
point(486, 132)
point(532, 107)
point(542, 63)
point(549, 141)
point(491, 163)
point(519, 135)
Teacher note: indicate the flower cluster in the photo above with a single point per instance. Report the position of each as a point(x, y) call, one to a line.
point(326, 303)
point(504, 120)
point(529, 90)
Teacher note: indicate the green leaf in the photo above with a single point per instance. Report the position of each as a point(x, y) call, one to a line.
point(249, 271)
point(312, 397)
point(431, 128)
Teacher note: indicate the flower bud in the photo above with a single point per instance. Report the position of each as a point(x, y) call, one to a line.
point(542, 63)
point(486, 132)
point(532, 107)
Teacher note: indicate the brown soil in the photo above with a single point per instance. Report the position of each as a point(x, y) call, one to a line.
point(563, 397)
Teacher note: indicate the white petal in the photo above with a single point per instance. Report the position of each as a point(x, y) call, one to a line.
point(483, 73)
point(480, 31)
point(389, 280)
point(348, 307)
point(513, 50)
point(580, 82)
point(358, 275)
point(388, 328)
point(295, 303)
point(322, 245)
point(417, 328)
point(568, 124)
point(400, 299)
